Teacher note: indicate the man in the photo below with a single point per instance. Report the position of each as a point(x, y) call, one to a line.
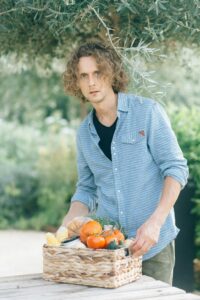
point(129, 161)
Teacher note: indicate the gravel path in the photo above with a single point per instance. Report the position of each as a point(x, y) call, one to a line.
point(20, 252)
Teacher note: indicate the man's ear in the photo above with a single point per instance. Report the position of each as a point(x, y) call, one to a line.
point(77, 79)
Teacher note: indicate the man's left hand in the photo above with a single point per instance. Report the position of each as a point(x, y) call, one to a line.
point(146, 237)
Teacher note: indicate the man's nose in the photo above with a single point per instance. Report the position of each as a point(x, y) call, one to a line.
point(91, 80)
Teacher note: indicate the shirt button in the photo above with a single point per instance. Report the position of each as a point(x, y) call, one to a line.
point(113, 142)
point(121, 212)
point(115, 169)
point(118, 191)
point(114, 153)
point(113, 148)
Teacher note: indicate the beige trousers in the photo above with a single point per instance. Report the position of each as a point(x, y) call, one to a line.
point(161, 266)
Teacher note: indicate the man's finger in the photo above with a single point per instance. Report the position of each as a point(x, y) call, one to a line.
point(144, 249)
point(138, 246)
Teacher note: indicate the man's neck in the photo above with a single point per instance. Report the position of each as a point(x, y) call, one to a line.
point(106, 111)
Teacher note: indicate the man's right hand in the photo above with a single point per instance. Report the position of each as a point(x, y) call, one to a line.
point(77, 209)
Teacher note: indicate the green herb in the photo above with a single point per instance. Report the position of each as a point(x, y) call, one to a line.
point(108, 221)
point(112, 245)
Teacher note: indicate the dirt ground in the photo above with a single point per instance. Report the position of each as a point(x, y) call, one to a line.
point(20, 252)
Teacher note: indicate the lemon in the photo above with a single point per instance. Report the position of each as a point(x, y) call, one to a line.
point(52, 240)
point(62, 234)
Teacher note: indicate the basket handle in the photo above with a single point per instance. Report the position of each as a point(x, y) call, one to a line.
point(128, 250)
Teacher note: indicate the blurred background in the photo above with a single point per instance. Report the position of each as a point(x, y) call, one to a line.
point(159, 42)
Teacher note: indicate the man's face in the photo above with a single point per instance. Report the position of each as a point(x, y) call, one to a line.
point(93, 85)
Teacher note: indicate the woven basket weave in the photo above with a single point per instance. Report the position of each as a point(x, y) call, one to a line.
point(102, 267)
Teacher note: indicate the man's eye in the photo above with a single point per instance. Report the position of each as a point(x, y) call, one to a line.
point(83, 75)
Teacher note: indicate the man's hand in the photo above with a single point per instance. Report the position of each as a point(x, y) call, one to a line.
point(148, 234)
point(76, 209)
point(146, 237)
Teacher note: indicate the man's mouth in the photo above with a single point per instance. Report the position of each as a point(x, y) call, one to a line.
point(94, 92)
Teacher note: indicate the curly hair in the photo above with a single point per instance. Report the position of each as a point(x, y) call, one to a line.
point(108, 62)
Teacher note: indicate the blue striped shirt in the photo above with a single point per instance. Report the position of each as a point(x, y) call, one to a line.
point(144, 151)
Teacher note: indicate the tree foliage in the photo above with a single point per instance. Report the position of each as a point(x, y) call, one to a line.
point(41, 27)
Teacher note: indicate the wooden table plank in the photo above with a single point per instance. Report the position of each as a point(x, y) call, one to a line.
point(138, 294)
point(58, 295)
point(23, 284)
point(20, 277)
point(78, 291)
point(22, 281)
point(37, 281)
point(32, 292)
point(177, 297)
point(33, 287)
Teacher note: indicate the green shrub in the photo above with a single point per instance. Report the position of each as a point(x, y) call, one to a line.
point(57, 177)
point(37, 175)
point(18, 180)
point(186, 123)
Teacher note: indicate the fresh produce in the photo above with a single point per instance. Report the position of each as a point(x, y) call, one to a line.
point(90, 228)
point(62, 234)
point(109, 239)
point(95, 234)
point(113, 235)
point(119, 235)
point(74, 244)
point(107, 232)
point(113, 245)
point(94, 237)
point(75, 225)
point(55, 240)
point(51, 239)
point(96, 242)
point(106, 222)
point(109, 224)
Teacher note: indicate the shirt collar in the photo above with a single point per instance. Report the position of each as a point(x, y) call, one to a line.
point(122, 104)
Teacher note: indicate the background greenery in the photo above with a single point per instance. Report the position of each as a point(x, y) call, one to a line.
point(37, 174)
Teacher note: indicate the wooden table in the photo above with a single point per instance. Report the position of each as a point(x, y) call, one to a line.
point(33, 287)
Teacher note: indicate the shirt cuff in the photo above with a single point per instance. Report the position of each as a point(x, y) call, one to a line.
point(85, 198)
point(180, 179)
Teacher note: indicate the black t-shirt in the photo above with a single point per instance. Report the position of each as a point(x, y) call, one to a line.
point(105, 134)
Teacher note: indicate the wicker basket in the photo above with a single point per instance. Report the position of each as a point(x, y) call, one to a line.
point(102, 267)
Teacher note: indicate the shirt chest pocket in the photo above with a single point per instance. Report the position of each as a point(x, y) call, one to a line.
point(133, 147)
point(133, 139)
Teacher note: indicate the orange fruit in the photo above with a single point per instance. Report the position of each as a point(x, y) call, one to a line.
point(96, 242)
point(109, 239)
point(119, 235)
point(90, 228)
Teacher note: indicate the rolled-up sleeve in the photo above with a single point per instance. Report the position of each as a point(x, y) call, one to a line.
point(164, 146)
point(85, 187)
